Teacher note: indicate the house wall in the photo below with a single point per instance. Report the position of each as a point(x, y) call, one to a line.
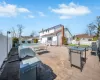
point(68, 36)
point(3, 47)
point(82, 42)
point(45, 41)
point(54, 41)
point(59, 38)
point(85, 39)
point(64, 32)
point(26, 40)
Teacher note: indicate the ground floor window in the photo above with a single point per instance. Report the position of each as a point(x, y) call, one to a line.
point(89, 39)
point(23, 41)
point(49, 38)
point(29, 41)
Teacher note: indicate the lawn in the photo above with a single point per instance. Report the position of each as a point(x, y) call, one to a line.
point(80, 45)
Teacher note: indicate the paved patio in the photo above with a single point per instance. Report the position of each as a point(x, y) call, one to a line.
point(57, 59)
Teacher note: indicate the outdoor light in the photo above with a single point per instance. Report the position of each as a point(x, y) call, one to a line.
point(8, 32)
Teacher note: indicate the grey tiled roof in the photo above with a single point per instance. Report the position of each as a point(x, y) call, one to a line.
point(57, 26)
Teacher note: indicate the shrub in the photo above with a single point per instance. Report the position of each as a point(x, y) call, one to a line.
point(65, 41)
point(95, 38)
point(77, 39)
point(35, 40)
point(15, 41)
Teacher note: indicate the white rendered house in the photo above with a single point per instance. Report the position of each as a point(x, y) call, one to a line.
point(54, 35)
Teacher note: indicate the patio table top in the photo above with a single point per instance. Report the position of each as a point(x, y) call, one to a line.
point(77, 48)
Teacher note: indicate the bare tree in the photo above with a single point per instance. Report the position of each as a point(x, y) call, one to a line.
point(98, 25)
point(20, 29)
point(94, 28)
point(33, 33)
point(91, 29)
point(13, 31)
point(86, 31)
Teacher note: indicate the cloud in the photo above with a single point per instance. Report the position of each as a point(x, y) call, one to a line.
point(23, 10)
point(71, 9)
point(41, 14)
point(10, 10)
point(65, 17)
point(31, 16)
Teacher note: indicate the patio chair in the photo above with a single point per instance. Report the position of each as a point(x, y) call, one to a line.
point(94, 48)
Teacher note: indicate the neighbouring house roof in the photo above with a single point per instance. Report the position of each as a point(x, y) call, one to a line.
point(57, 26)
point(84, 36)
point(28, 37)
point(36, 37)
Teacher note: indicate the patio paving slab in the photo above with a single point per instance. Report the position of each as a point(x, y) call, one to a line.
point(57, 59)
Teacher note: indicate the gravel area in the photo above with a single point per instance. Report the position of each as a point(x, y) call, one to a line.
point(11, 70)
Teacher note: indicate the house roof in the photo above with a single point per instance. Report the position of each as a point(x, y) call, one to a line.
point(52, 33)
point(56, 32)
point(57, 26)
point(84, 36)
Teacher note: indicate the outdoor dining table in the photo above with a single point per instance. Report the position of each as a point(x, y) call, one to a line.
point(76, 56)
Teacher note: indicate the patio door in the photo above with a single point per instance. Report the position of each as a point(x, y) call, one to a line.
point(49, 40)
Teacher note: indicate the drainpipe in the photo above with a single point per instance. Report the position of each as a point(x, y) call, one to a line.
point(62, 35)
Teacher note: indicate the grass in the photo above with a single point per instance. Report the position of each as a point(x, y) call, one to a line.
point(72, 44)
point(80, 45)
point(84, 45)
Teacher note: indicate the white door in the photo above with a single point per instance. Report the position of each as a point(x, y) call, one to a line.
point(59, 38)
